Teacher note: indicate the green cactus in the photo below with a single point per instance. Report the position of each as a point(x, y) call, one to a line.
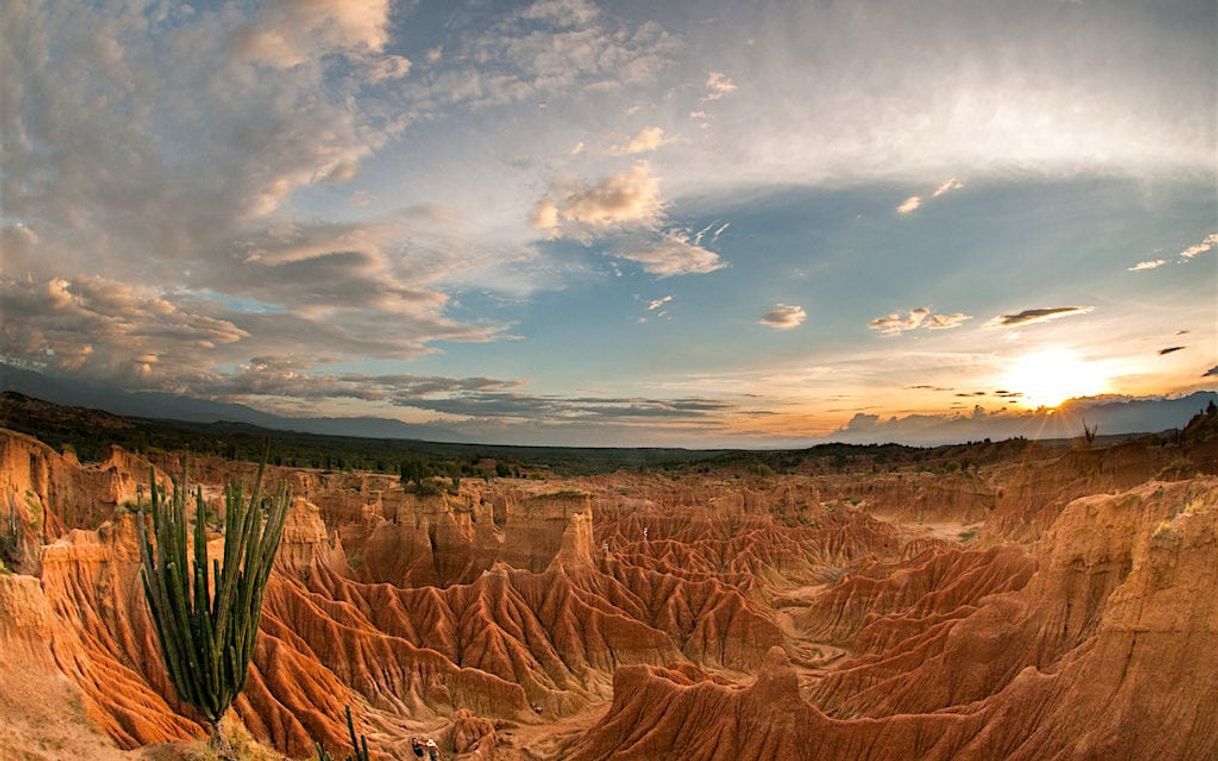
point(359, 746)
point(207, 632)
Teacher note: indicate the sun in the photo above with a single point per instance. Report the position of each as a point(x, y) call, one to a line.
point(1050, 376)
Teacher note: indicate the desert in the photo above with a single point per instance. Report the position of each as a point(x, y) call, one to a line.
point(1046, 602)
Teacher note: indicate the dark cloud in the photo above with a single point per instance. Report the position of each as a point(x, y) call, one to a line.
point(288, 377)
point(1210, 373)
point(1171, 349)
point(784, 317)
point(507, 404)
point(1039, 314)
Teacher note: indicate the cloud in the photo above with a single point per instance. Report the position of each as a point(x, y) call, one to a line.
point(894, 325)
point(717, 86)
point(948, 186)
point(388, 67)
point(517, 405)
point(913, 203)
point(628, 198)
point(290, 377)
point(1149, 264)
point(673, 254)
point(647, 139)
point(113, 326)
point(290, 32)
point(655, 304)
point(360, 199)
point(1197, 249)
point(920, 317)
point(1112, 414)
point(545, 215)
point(1171, 349)
point(1039, 314)
point(547, 49)
point(564, 14)
point(17, 244)
point(1210, 373)
point(784, 317)
point(947, 321)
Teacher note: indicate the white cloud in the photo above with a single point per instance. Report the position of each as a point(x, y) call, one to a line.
point(717, 86)
point(920, 317)
point(893, 324)
point(948, 186)
point(1197, 249)
point(628, 198)
point(655, 304)
point(290, 32)
point(673, 254)
point(1149, 264)
point(647, 139)
point(784, 317)
point(545, 215)
point(913, 203)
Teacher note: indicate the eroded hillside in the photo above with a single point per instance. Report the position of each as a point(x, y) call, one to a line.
point(1045, 604)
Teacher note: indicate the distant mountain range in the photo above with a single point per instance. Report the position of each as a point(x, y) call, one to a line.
point(162, 406)
point(1112, 416)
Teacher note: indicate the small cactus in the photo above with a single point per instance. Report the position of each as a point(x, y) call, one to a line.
point(359, 745)
point(1089, 432)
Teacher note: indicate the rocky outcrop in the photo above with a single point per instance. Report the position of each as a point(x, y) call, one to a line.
point(1080, 662)
point(704, 617)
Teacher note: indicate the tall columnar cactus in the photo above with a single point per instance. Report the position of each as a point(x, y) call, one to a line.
point(359, 747)
point(207, 632)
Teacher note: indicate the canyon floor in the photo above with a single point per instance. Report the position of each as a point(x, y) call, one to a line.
point(1010, 601)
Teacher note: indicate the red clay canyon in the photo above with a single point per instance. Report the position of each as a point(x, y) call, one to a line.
point(1046, 603)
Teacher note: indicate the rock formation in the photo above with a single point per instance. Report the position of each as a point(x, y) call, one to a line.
point(1050, 603)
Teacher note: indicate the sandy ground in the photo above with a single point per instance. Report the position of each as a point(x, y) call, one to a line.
point(51, 726)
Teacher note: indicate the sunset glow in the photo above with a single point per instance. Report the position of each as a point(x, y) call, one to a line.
point(1048, 377)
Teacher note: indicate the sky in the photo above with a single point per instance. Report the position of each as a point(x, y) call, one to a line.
point(634, 223)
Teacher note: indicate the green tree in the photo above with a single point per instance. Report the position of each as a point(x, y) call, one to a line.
point(206, 633)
